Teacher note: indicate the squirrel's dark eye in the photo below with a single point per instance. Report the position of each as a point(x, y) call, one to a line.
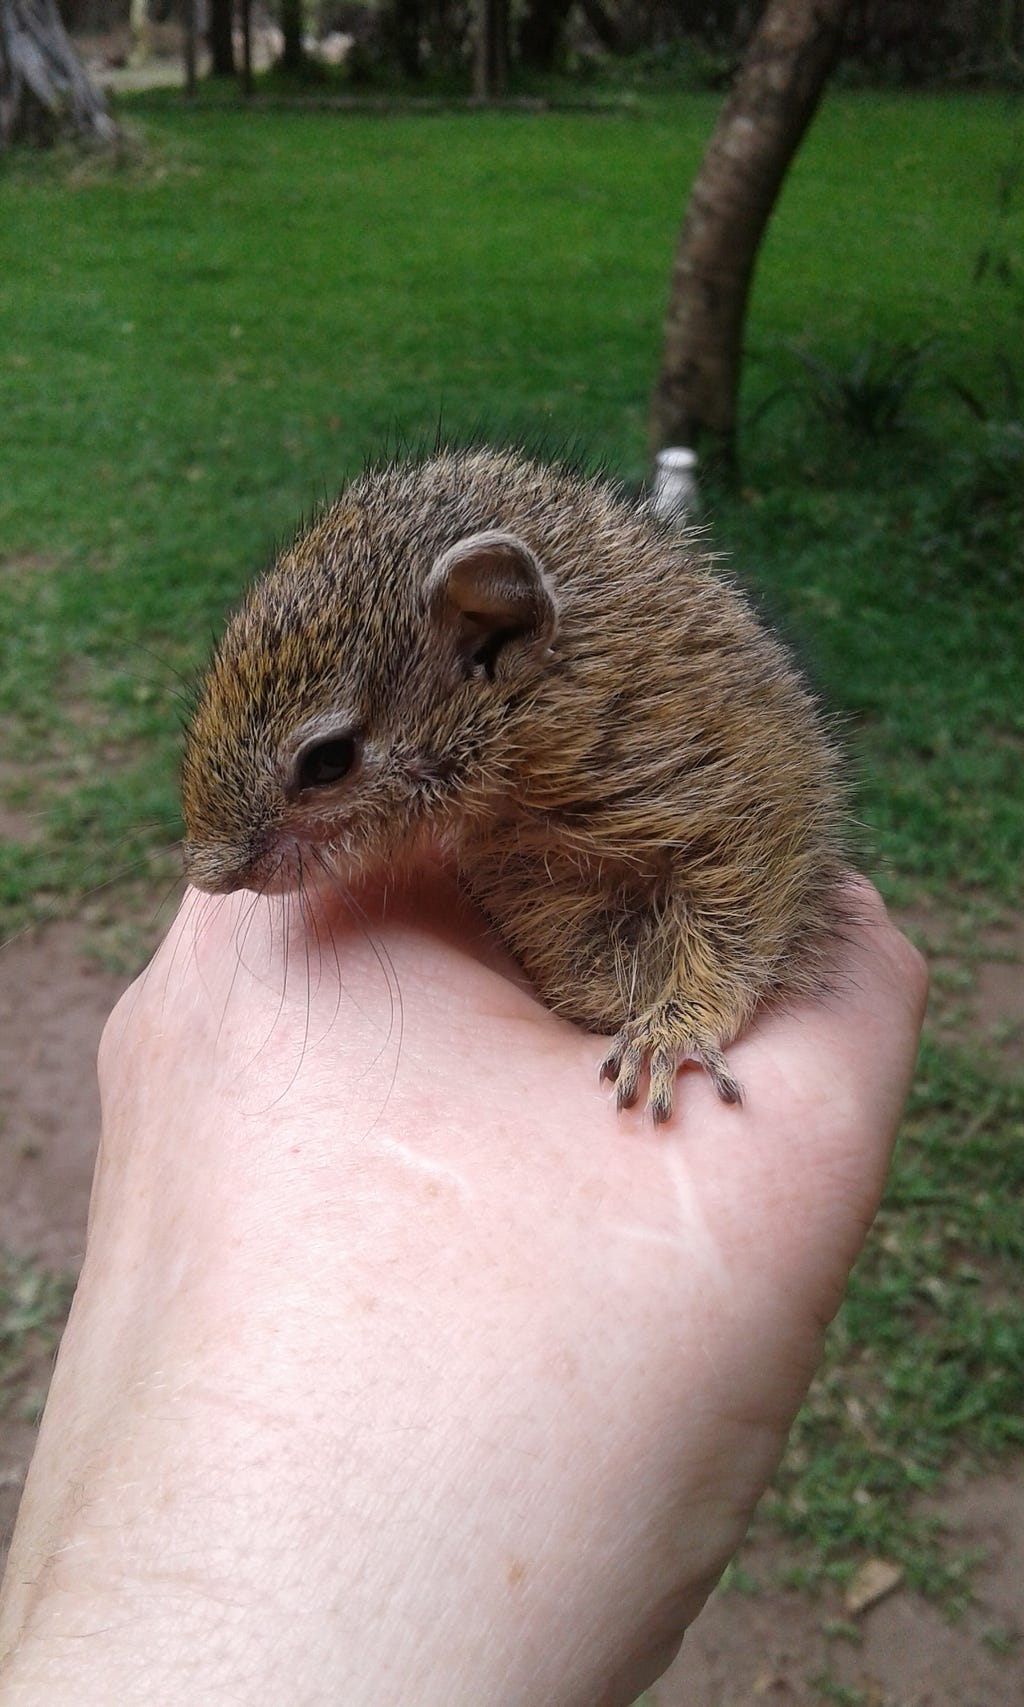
point(325, 762)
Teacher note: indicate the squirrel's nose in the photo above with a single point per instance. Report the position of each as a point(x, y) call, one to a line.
point(221, 867)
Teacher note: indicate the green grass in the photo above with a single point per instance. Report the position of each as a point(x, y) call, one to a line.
point(926, 1360)
point(919, 656)
point(197, 346)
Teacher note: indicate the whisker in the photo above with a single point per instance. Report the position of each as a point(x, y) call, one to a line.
point(160, 904)
point(396, 1004)
point(186, 684)
point(243, 925)
point(339, 982)
point(302, 902)
point(360, 1009)
point(162, 901)
point(192, 906)
point(305, 944)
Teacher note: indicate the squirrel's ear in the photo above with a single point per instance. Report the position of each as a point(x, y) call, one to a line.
point(491, 595)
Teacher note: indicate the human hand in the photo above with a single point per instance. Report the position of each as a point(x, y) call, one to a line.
point(401, 1368)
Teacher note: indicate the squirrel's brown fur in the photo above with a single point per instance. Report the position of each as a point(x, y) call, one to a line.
point(625, 767)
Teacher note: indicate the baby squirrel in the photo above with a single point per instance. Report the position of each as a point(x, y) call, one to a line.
point(560, 691)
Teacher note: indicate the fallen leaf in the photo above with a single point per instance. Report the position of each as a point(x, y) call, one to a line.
point(875, 1579)
point(770, 1682)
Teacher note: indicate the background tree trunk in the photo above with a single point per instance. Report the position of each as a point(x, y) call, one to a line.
point(759, 130)
point(542, 33)
point(246, 20)
point(138, 24)
point(292, 56)
point(406, 28)
point(44, 92)
point(220, 37)
point(607, 29)
point(188, 45)
point(490, 77)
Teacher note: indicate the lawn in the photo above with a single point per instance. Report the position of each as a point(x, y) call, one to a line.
point(198, 345)
point(197, 348)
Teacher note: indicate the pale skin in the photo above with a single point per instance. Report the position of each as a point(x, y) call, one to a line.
point(414, 1374)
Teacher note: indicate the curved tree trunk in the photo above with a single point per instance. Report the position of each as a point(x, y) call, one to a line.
point(759, 130)
point(44, 92)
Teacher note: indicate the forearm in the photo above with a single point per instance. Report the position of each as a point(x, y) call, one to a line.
point(215, 1514)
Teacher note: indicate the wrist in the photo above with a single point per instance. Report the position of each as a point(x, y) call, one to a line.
point(231, 1530)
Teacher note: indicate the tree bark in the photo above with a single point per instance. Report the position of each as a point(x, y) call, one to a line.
point(44, 92)
point(759, 130)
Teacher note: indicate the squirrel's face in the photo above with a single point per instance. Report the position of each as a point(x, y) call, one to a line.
point(352, 708)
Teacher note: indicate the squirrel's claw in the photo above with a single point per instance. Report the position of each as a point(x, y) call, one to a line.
point(656, 1042)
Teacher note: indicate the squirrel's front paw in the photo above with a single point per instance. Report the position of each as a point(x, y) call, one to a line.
point(659, 1040)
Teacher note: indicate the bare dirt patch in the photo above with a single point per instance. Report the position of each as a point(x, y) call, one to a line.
point(53, 1004)
point(784, 1649)
point(977, 971)
point(17, 826)
point(24, 567)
